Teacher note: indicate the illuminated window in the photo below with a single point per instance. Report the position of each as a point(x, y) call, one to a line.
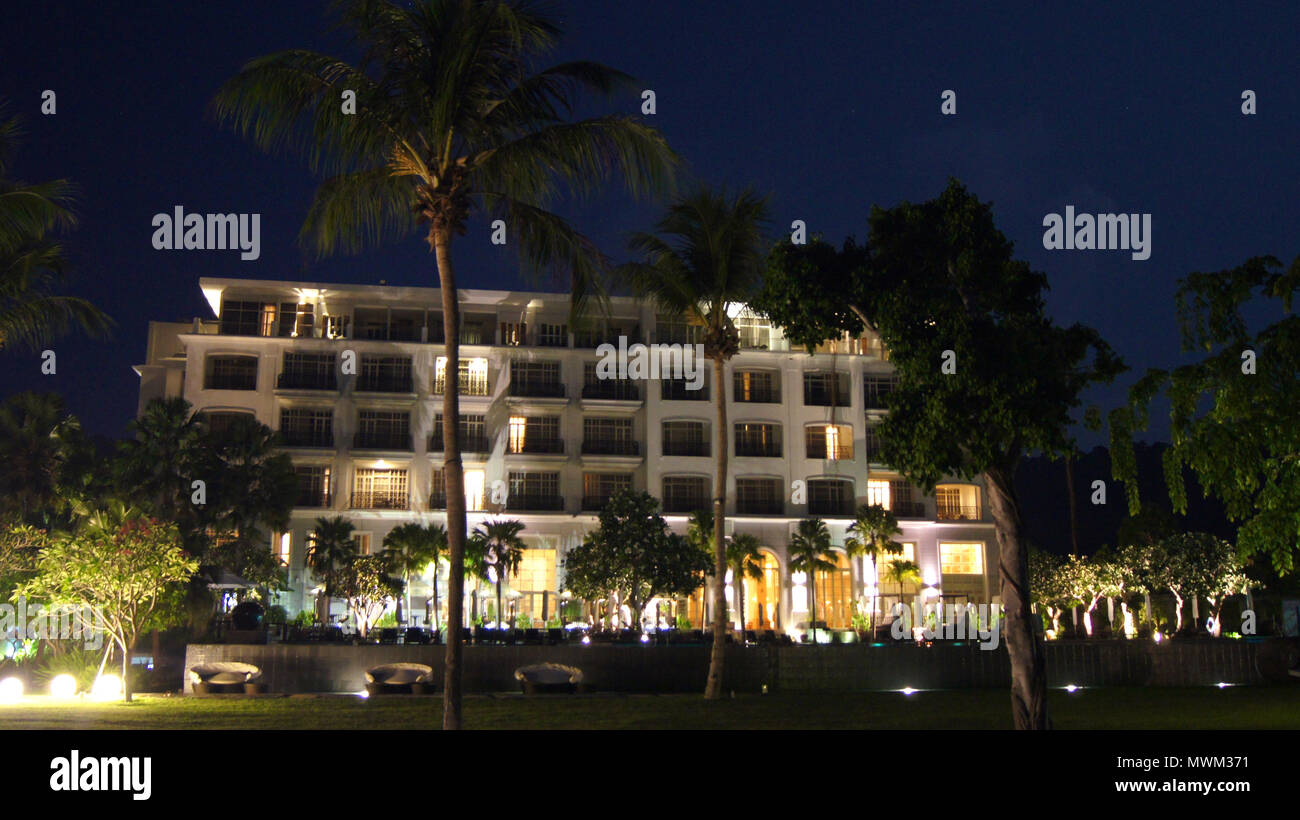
point(518, 430)
point(878, 493)
point(834, 594)
point(474, 480)
point(961, 558)
point(830, 442)
point(362, 540)
point(282, 553)
point(471, 376)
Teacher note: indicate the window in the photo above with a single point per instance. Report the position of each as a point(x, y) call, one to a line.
point(473, 434)
point(755, 331)
point(594, 387)
point(680, 389)
point(313, 486)
point(605, 334)
point(961, 558)
point(889, 591)
point(284, 548)
point(876, 390)
point(471, 376)
point(534, 576)
point(534, 434)
point(835, 594)
point(872, 443)
point(296, 320)
point(385, 374)
point(878, 493)
point(376, 489)
point(608, 436)
point(220, 421)
point(826, 389)
point(514, 334)
point(336, 327)
point(362, 540)
point(830, 442)
point(383, 430)
point(685, 494)
point(957, 502)
point(308, 371)
point(473, 490)
point(906, 501)
point(675, 330)
point(552, 335)
point(757, 386)
point(231, 373)
point(536, 379)
point(685, 438)
point(830, 496)
point(757, 439)
point(534, 491)
point(598, 488)
point(246, 318)
point(760, 496)
point(307, 428)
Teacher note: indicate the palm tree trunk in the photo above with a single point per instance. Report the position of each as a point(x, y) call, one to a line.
point(1028, 663)
point(740, 599)
point(453, 477)
point(713, 688)
point(812, 604)
point(437, 605)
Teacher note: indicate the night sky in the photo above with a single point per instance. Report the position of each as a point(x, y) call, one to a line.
point(829, 106)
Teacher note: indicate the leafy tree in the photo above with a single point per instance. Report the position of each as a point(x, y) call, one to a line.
point(121, 563)
point(1151, 524)
point(871, 536)
point(1197, 564)
point(1233, 414)
point(32, 260)
point(450, 117)
point(984, 375)
point(38, 439)
point(744, 558)
point(329, 549)
point(902, 572)
point(1046, 583)
point(810, 552)
point(633, 553)
point(503, 549)
point(416, 547)
point(366, 582)
point(704, 258)
point(1087, 580)
point(162, 459)
point(20, 552)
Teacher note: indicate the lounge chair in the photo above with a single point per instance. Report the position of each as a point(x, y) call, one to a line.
point(226, 676)
point(541, 678)
point(399, 678)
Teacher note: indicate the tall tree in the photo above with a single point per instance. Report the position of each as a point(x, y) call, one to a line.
point(37, 437)
point(810, 553)
point(33, 264)
point(745, 559)
point(984, 374)
point(504, 550)
point(704, 259)
point(329, 549)
point(443, 116)
point(871, 535)
point(415, 548)
point(1234, 413)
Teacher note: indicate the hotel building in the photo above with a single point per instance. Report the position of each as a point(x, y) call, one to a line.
point(545, 441)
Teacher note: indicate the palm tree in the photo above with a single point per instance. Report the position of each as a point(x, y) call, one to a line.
point(414, 548)
point(329, 549)
point(35, 437)
point(902, 572)
point(810, 553)
point(504, 550)
point(32, 261)
point(871, 536)
point(744, 558)
point(699, 533)
point(704, 259)
point(159, 462)
point(448, 118)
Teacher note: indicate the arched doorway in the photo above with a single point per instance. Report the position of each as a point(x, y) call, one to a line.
point(763, 595)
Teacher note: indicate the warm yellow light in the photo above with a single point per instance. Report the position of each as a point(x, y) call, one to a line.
point(11, 690)
point(107, 687)
point(63, 686)
point(832, 442)
point(474, 480)
point(518, 427)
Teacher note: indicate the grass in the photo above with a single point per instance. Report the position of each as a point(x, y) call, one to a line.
point(1201, 708)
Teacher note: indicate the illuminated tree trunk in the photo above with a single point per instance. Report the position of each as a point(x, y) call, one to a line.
point(713, 688)
point(1028, 664)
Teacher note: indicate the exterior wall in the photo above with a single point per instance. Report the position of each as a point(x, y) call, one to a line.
point(176, 366)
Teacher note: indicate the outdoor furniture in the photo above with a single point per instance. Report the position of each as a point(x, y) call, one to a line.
point(554, 636)
point(399, 678)
point(532, 637)
point(544, 678)
point(388, 635)
point(415, 634)
point(226, 676)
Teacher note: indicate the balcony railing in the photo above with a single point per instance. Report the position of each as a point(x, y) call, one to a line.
point(756, 449)
point(465, 386)
point(677, 390)
point(595, 503)
point(687, 504)
point(382, 441)
point(537, 390)
point(951, 512)
point(830, 506)
point(535, 502)
point(757, 396)
point(610, 447)
point(307, 438)
point(438, 501)
point(821, 395)
point(472, 443)
point(384, 384)
point(612, 390)
point(536, 444)
point(908, 509)
point(819, 450)
point(313, 499)
point(379, 500)
point(760, 506)
point(307, 381)
point(686, 448)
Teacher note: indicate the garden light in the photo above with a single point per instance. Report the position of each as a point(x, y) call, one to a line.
point(11, 690)
point(107, 687)
point(63, 686)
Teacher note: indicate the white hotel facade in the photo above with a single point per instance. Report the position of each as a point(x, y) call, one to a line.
point(554, 441)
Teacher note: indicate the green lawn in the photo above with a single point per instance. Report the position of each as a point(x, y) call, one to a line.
point(1202, 708)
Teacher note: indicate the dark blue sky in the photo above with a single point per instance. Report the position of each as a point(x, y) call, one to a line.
point(829, 106)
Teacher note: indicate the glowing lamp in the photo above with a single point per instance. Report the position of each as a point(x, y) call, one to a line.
point(107, 687)
point(63, 686)
point(11, 690)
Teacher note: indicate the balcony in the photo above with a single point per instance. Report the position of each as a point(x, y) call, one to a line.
point(469, 443)
point(831, 505)
point(824, 395)
point(382, 441)
point(367, 383)
point(760, 506)
point(686, 448)
point(307, 381)
point(536, 445)
point(595, 503)
point(314, 499)
point(543, 503)
point(678, 390)
point(758, 449)
point(687, 504)
point(320, 439)
point(819, 450)
point(612, 390)
point(380, 500)
point(951, 512)
point(610, 447)
point(537, 390)
point(438, 501)
point(908, 509)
